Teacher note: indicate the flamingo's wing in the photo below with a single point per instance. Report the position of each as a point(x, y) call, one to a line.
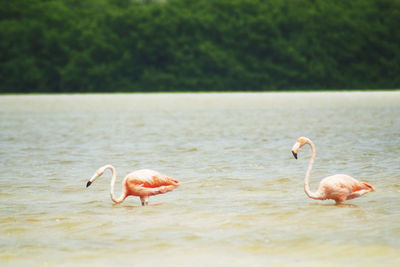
point(339, 182)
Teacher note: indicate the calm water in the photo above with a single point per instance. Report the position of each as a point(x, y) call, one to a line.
point(242, 200)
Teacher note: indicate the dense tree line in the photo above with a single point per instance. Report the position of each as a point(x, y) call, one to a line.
point(198, 45)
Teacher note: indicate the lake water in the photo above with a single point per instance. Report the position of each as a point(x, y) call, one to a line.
point(241, 202)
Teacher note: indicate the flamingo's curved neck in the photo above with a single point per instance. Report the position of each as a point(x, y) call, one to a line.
point(307, 178)
point(113, 179)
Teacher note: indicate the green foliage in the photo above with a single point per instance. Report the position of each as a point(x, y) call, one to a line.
point(198, 45)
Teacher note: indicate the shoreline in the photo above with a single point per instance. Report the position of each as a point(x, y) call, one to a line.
point(206, 92)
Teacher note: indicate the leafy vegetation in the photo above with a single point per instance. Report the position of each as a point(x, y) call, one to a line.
point(198, 45)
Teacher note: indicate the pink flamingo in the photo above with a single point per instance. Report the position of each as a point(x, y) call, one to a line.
point(339, 187)
point(141, 183)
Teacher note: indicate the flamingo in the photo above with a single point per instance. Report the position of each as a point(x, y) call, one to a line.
point(339, 187)
point(141, 183)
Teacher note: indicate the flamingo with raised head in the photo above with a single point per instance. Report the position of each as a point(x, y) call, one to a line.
point(339, 187)
point(141, 183)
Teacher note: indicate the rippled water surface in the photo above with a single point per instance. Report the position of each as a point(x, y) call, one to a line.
point(241, 202)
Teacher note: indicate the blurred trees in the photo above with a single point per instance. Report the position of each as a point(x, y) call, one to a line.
point(198, 45)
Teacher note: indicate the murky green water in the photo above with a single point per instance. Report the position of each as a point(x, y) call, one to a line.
point(241, 202)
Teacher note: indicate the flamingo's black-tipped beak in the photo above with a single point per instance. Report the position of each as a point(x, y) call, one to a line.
point(295, 149)
point(88, 183)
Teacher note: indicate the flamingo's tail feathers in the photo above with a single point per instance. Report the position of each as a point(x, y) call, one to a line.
point(173, 181)
point(368, 186)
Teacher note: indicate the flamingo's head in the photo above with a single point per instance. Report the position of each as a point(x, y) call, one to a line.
point(97, 174)
point(301, 141)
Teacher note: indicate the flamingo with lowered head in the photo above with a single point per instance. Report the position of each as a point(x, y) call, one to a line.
point(339, 187)
point(141, 183)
